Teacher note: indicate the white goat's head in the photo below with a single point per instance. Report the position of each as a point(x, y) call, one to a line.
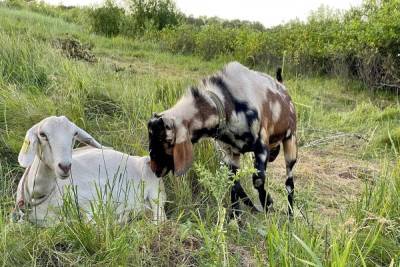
point(52, 141)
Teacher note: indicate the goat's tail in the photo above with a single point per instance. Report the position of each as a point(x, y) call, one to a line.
point(279, 75)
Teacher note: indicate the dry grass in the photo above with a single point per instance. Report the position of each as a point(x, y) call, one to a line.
point(339, 164)
point(330, 174)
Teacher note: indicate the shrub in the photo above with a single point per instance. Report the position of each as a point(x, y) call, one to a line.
point(180, 39)
point(360, 43)
point(107, 19)
point(251, 46)
point(214, 40)
point(156, 14)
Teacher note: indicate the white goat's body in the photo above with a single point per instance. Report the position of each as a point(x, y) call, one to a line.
point(94, 174)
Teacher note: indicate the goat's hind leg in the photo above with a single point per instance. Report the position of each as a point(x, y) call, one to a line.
point(290, 150)
point(261, 154)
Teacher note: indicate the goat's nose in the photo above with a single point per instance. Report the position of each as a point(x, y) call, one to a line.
point(65, 167)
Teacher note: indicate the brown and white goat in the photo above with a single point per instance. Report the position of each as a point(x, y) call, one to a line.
point(245, 111)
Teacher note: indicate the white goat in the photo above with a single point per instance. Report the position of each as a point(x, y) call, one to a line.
point(52, 164)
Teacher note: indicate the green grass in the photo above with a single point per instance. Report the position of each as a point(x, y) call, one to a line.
point(344, 129)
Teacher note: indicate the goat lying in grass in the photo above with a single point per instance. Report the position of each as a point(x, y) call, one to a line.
point(96, 174)
point(246, 111)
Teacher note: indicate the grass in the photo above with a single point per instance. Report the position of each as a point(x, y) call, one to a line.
point(347, 178)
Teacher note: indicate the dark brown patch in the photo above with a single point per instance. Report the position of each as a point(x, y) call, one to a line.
point(205, 109)
point(228, 101)
point(274, 139)
point(276, 131)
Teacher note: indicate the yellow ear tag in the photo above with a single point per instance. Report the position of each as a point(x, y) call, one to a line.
point(25, 146)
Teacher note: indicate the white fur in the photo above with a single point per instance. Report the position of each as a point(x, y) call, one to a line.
point(288, 133)
point(238, 122)
point(183, 109)
point(92, 168)
point(248, 85)
point(291, 107)
point(263, 157)
point(276, 109)
point(211, 121)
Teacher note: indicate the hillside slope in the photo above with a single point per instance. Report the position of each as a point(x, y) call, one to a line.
point(347, 178)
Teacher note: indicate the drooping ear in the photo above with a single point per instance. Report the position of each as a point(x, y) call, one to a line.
point(29, 147)
point(183, 157)
point(84, 137)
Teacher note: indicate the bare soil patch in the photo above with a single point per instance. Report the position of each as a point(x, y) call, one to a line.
point(331, 176)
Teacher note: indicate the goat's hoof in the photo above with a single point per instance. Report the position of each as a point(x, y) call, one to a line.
point(269, 205)
point(236, 220)
point(258, 182)
point(236, 223)
point(254, 210)
point(290, 215)
point(269, 209)
point(235, 215)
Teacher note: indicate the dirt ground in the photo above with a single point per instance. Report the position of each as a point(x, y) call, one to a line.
point(331, 175)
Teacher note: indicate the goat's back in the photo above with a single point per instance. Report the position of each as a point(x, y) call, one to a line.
point(266, 95)
point(109, 162)
point(126, 175)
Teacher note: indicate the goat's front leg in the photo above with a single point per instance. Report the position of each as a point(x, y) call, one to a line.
point(237, 192)
point(260, 163)
point(157, 208)
point(157, 199)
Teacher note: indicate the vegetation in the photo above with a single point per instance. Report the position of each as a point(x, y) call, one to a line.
point(106, 20)
point(347, 179)
point(361, 43)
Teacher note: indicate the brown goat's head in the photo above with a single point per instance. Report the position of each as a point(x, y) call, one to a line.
point(169, 145)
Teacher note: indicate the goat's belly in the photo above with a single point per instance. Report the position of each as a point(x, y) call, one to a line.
point(115, 198)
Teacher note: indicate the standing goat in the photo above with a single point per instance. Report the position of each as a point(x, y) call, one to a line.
point(52, 164)
point(246, 111)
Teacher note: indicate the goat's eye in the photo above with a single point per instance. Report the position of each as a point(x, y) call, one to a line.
point(167, 127)
point(75, 134)
point(43, 135)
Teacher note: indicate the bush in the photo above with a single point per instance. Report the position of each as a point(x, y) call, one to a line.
point(180, 39)
point(214, 40)
point(156, 14)
point(107, 19)
point(360, 43)
point(251, 47)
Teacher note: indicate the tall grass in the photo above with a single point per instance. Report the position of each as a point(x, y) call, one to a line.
point(36, 81)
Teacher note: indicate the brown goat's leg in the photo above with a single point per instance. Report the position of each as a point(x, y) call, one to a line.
point(290, 150)
point(260, 163)
point(235, 205)
point(238, 192)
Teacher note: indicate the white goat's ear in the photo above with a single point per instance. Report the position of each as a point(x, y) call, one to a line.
point(29, 147)
point(84, 137)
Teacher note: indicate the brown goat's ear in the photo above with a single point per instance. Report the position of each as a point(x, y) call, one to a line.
point(183, 157)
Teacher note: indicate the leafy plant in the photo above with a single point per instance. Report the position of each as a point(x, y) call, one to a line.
point(107, 19)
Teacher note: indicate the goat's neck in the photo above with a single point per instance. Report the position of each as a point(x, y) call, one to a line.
point(199, 116)
point(41, 179)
